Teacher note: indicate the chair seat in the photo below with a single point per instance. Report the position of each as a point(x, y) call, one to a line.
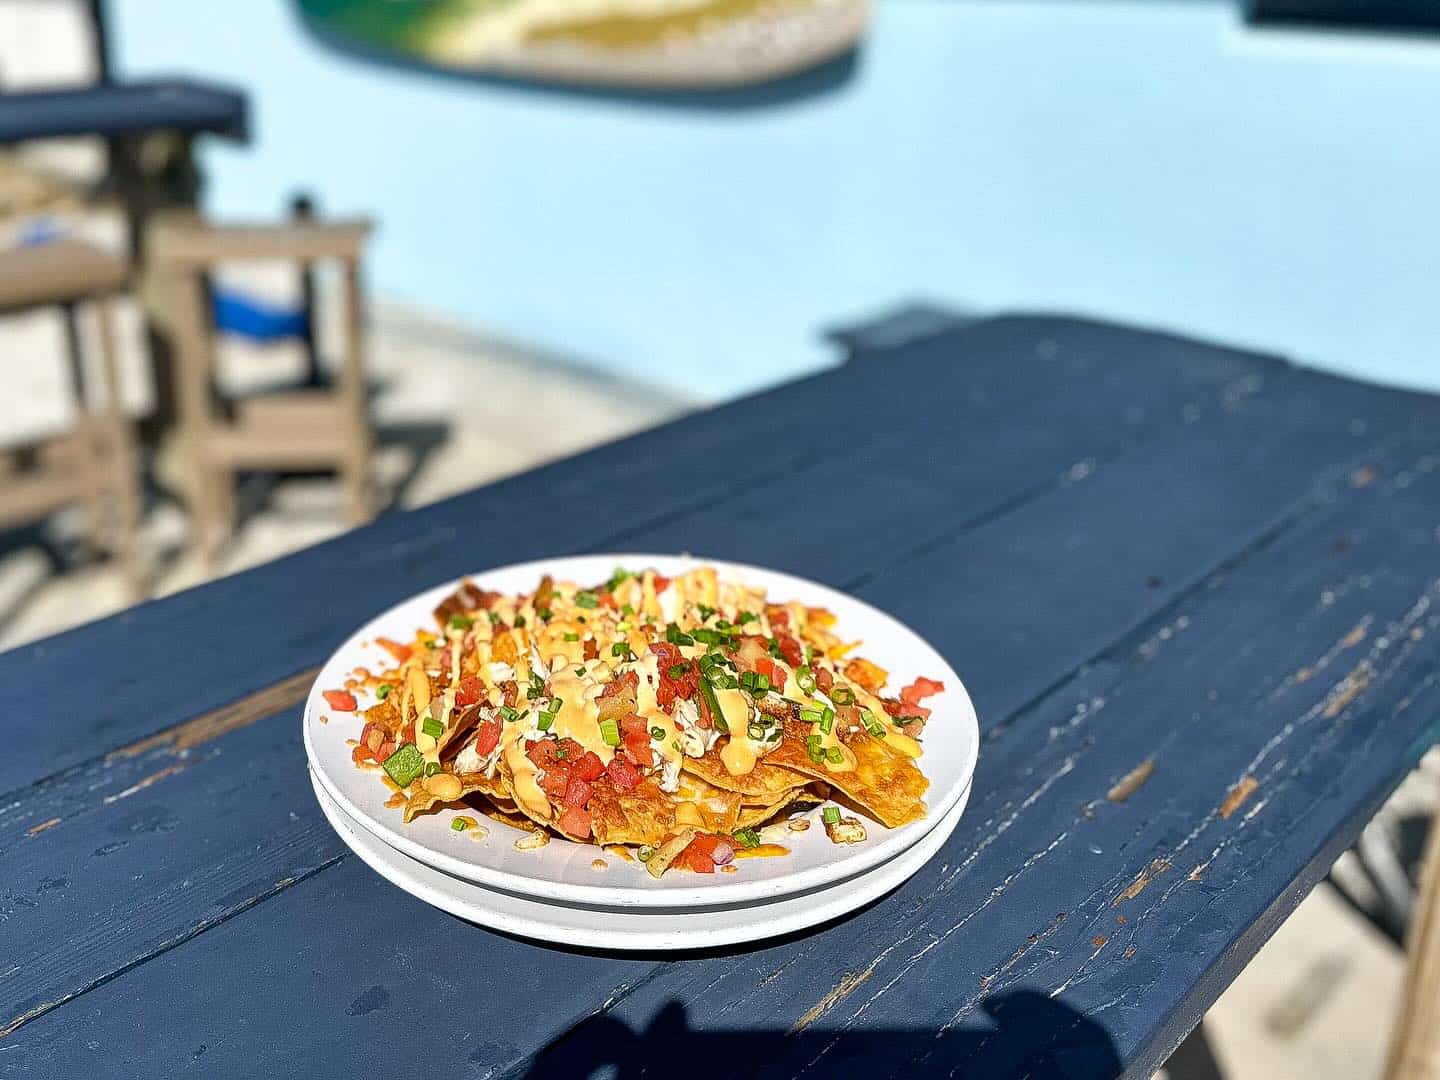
point(57, 273)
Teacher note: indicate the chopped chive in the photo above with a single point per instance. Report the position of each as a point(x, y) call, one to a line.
point(432, 727)
point(494, 619)
point(747, 838)
point(775, 649)
point(546, 614)
point(762, 683)
point(572, 636)
point(621, 648)
point(835, 755)
point(812, 747)
point(579, 671)
point(657, 732)
point(510, 714)
point(459, 824)
point(745, 617)
point(620, 575)
point(383, 691)
point(705, 611)
point(721, 681)
point(544, 721)
point(805, 679)
point(827, 720)
point(586, 599)
point(830, 815)
point(626, 610)
point(610, 731)
point(812, 716)
point(873, 726)
point(431, 768)
point(519, 621)
point(461, 622)
point(711, 637)
point(677, 671)
point(842, 695)
point(722, 624)
point(676, 636)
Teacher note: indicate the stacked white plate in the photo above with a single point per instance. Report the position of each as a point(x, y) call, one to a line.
point(579, 894)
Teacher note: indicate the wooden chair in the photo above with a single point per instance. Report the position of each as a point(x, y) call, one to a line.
point(324, 427)
point(96, 462)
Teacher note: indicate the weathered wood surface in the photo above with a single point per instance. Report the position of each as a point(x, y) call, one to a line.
point(1194, 593)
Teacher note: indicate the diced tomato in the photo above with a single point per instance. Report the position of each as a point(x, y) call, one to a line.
point(607, 599)
point(661, 583)
point(622, 774)
point(771, 670)
point(589, 767)
point(386, 749)
point(778, 616)
point(555, 781)
point(631, 724)
point(400, 652)
point(470, 691)
point(577, 791)
point(488, 736)
point(575, 821)
point(898, 709)
point(919, 689)
point(683, 685)
point(789, 649)
point(640, 752)
point(360, 754)
point(625, 684)
point(592, 651)
point(340, 700)
point(705, 844)
point(698, 861)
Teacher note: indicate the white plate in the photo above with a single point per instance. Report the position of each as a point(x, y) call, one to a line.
point(561, 870)
point(622, 928)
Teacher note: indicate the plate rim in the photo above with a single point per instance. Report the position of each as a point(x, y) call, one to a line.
point(844, 896)
point(639, 895)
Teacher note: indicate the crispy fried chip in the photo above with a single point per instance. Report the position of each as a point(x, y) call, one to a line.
point(643, 815)
point(887, 785)
point(765, 781)
point(424, 799)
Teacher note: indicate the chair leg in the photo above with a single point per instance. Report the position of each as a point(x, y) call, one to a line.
point(123, 461)
point(355, 468)
point(1415, 1043)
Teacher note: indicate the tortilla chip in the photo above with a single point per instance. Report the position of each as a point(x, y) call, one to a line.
point(642, 815)
point(765, 781)
point(498, 808)
point(751, 816)
point(424, 801)
point(888, 786)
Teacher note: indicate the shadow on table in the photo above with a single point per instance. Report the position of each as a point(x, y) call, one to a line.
point(1028, 1035)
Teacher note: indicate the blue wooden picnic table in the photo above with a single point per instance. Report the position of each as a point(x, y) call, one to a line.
point(1194, 593)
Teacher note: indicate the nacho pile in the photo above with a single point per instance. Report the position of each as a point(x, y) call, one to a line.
point(671, 717)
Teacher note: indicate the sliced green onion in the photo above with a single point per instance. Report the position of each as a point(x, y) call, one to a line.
point(461, 622)
point(830, 815)
point(510, 714)
point(873, 726)
point(431, 768)
point(705, 611)
point(546, 614)
point(812, 747)
point(645, 853)
point(579, 671)
point(610, 731)
point(536, 689)
point(627, 610)
point(716, 716)
point(572, 636)
point(835, 755)
point(747, 681)
point(757, 731)
point(747, 838)
point(459, 824)
point(827, 720)
point(676, 636)
point(657, 732)
point(812, 716)
point(383, 691)
point(494, 618)
point(721, 681)
point(775, 649)
point(432, 727)
point(621, 648)
point(620, 574)
point(562, 753)
point(519, 621)
point(586, 599)
point(745, 617)
point(404, 765)
point(762, 683)
point(842, 695)
point(805, 679)
point(678, 671)
point(711, 637)
point(722, 624)
point(543, 722)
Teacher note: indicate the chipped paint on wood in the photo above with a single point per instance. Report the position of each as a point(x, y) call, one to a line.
point(1238, 794)
point(141, 785)
point(1142, 880)
point(217, 722)
point(35, 830)
point(848, 984)
point(1131, 782)
point(1347, 690)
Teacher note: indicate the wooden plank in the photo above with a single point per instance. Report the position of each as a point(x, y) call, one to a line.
point(1180, 549)
point(1027, 396)
point(1130, 913)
